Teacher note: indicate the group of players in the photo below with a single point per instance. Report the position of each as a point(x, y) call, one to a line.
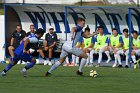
point(97, 42)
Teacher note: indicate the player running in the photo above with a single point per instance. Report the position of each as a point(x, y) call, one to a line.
point(21, 52)
point(69, 48)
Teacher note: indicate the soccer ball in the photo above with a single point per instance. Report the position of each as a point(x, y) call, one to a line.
point(93, 73)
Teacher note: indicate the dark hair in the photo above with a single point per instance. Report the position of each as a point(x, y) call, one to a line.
point(136, 32)
point(40, 31)
point(101, 27)
point(87, 29)
point(80, 19)
point(125, 30)
point(114, 29)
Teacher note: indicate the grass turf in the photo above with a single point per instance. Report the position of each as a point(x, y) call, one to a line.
point(64, 80)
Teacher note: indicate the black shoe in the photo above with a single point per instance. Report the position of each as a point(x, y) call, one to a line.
point(79, 73)
point(126, 66)
point(47, 74)
point(120, 66)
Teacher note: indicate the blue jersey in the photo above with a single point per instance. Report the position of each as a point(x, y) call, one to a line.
point(77, 35)
point(33, 41)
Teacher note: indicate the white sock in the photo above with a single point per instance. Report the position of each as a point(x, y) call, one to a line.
point(24, 69)
point(77, 60)
point(55, 66)
point(73, 58)
point(108, 55)
point(87, 58)
point(134, 58)
point(119, 59)
point(127, 56)
point(67, 60)
point(115, 56)
point(100, 56)
point(82, 64)
point(91, 56)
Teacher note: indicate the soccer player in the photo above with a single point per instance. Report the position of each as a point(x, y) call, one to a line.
point(69, 48)
point(136, 47)
point(115, 44)
point(17, 37)
point(21, 52)
point(125, 49)
point(100, 46)
point(88, 44)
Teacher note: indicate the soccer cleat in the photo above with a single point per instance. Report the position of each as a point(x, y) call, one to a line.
point(79, 73)
point(24, 73)
point(45, 62)
point(126, 66)
point(114, 65)
point(119, 66)
point(108, 60)
point(47, 74)
point(23, 63)
point(3, 73)
point(90, 65)
point(135, 65)
point(50, 63)
point(98, 65)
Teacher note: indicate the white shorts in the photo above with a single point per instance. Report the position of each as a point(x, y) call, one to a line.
point(68, 49)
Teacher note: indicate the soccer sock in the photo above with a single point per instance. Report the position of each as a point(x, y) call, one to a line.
point(100, 56)
point(91, 56)
point(8, 67)
point(55, 66)
point(126, 59)
point(44, 58)
point(119, 59)
point(73, 58)
point(134, 58)
point(29, 65)
point(67, 60)
point(87, 58)
point(82, 64)
point(108, 55)
point(77, 60)
point(115, 56)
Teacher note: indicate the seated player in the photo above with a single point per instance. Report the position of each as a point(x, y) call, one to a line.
point(88, 44)
point(135, 47)
point(100, 46)
point(115, 44)
point(21, 52)
point(49, 44)
point(125, 49)
point(31, 32)
point(69, 48)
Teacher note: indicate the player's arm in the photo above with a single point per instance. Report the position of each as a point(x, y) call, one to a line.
point(73, 30)
point(91, 35)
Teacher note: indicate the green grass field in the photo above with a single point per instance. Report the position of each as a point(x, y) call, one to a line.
point(65, 80)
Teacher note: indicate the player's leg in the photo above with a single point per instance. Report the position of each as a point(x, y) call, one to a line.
point(13, 61)
point(50, 56)
point(127, 57)
point(78, 52)
point(30, 59)
point(106, 50)
point(100, 57)
point(91, 56)
point(119, 52)
point(11, 51)
point(133, 53)
point(116, 57)
point(41, 52)
point(62, 58)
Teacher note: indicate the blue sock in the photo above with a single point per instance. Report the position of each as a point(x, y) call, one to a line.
point(29, 65)
point(9, 66)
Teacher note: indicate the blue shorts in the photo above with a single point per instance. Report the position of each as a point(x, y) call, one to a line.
point(24, 56)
